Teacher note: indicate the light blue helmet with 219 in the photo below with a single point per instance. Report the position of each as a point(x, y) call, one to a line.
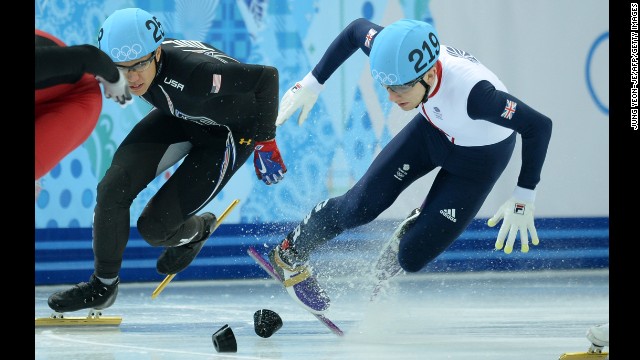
point(403, 51)
point(130, 34)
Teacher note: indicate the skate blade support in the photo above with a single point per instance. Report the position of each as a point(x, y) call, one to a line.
point(584, 356)
point(170, 277)
point(94, 318)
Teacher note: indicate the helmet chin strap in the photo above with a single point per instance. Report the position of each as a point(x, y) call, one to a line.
point(426, 93)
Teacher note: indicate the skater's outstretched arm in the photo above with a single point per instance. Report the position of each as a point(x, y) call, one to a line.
point(304, 93)
point(58, 64)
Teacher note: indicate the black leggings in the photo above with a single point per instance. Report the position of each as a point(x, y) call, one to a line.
point(156, 143)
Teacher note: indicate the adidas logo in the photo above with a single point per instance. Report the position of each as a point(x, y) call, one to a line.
point(449, 214)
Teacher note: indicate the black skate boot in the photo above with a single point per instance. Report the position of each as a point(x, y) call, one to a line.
point(177, 258)
point(86, 295)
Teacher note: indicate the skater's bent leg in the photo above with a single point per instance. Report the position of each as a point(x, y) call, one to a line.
point(133, 167)
point(169, 218)
point(328, 219)
point(111, 221)
point(450, 207)
point(458, 191)
point(363, 203)
point(317, 227)
point(163, 223)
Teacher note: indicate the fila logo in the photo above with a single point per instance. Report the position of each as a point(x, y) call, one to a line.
point(174, 83)
point(449, 214)
point(296, 87)
point(519, 209)
point(243, 141)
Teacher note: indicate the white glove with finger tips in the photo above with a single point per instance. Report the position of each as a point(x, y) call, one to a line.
point(118, 90)
point(517, 216)
point(302, 96)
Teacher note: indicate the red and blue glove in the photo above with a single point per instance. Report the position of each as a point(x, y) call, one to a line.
point(268, 162)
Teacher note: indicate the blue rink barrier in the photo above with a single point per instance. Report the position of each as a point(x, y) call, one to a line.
point(65, 256)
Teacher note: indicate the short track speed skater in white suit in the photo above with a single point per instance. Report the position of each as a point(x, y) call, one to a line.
point(465, 130)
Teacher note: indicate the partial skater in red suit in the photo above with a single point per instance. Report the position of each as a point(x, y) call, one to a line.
point(68, 100)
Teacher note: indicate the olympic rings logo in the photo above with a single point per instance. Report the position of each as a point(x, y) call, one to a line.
point(383, 78)
point(127, 52)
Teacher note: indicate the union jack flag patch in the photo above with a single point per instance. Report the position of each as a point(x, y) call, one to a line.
point(509, 110)
point(370, 34)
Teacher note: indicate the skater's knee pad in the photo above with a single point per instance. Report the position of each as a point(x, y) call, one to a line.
point(414, 257)
point(152, 230)
point(114, 188)
point(409, 259)
point(408, 263)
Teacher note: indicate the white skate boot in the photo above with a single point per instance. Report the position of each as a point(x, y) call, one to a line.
point(599, 337)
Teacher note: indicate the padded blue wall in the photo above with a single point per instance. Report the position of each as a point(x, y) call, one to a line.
point(65, 255)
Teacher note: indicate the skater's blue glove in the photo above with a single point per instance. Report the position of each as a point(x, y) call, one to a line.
point(303, 95)
point(517, 213)
point(268, 162)
point(119, 90)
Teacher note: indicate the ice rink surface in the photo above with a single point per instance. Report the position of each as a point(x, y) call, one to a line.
point(466, 316)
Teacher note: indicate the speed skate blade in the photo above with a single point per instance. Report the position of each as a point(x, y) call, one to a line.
point(584, 356)
point(79, 321)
